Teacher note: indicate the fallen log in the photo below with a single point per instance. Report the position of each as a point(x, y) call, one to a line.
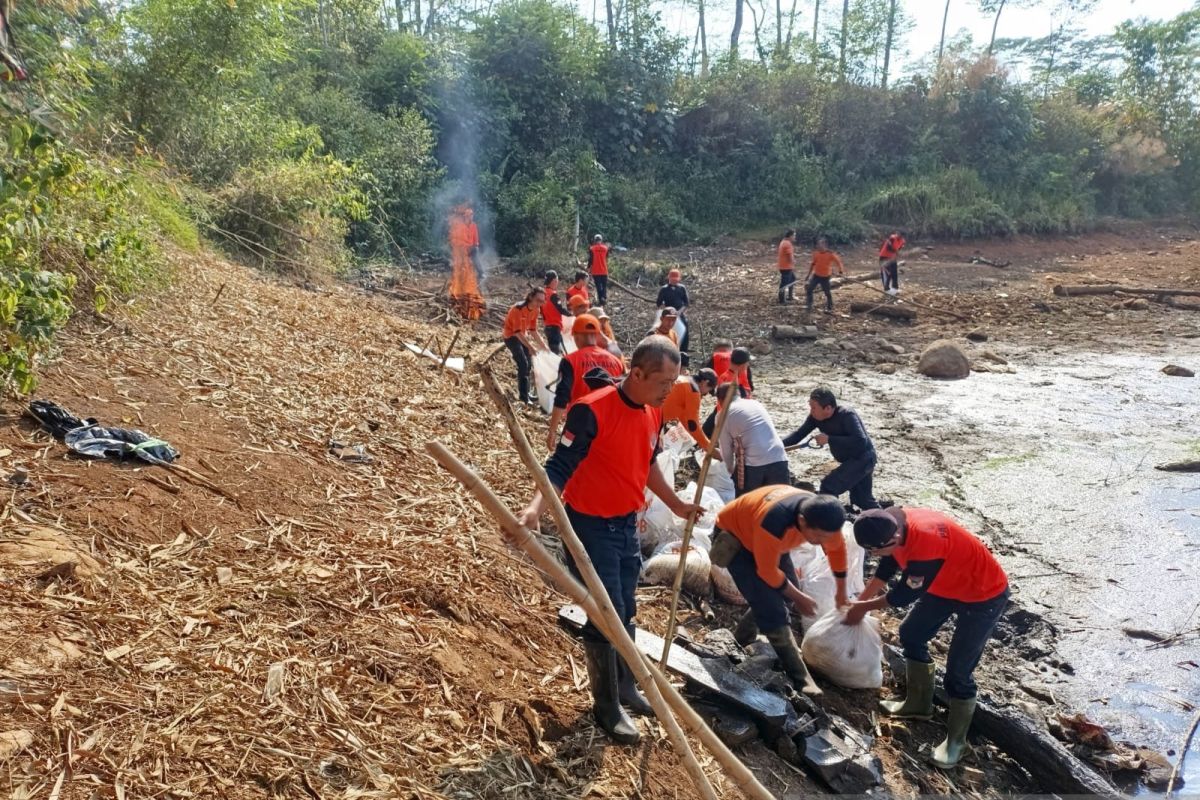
point(1054, 766)
point(890, 310)
point(1064, 290)
point(614, 282)
point(862, 277)
point(1179, 466)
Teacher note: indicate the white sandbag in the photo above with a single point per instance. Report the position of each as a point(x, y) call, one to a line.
point(703, 529)
point(568, 339)
point(677, 439)
point(849, 655)
point(545, 378)
point(725, 587)
point(655, 522)
point(718, 477)
point(680, 326)
point(660, 567)
point(816, 575)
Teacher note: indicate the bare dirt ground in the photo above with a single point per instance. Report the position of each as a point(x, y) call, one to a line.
point(325, 628)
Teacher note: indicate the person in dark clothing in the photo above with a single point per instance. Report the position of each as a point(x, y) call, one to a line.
point(841, 428)
point(674, 295)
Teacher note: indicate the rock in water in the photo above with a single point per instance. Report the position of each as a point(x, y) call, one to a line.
point(944, 359)
point(1176, 371)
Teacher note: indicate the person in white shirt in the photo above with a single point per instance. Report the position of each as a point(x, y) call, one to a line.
point(750, 446)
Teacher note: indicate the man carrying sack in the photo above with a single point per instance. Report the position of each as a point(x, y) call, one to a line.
point(602, 466)
point(755, 536)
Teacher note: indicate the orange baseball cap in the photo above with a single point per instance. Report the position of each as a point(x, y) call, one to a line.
point(576, 302)
point(585, 323)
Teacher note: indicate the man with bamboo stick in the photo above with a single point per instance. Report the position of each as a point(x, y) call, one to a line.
point(602, 466)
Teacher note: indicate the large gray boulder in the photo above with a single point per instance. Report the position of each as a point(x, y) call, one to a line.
point(944, 359)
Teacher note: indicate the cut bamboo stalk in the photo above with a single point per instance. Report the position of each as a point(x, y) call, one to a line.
point(594, 602)
point(731, 764)
point(454, 341)
point(691, 523)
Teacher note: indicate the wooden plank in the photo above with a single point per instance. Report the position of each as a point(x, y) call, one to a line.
point(713, 676)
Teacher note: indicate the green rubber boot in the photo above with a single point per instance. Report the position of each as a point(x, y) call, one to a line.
point(784, 643)
point(918, 701)
point(954, 746)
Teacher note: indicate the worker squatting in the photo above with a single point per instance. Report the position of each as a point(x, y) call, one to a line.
point(603, 459)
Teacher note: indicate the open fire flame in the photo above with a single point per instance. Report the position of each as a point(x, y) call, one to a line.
point(465, 294)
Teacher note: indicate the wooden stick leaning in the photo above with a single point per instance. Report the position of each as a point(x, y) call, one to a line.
point(605, 617)
point(677, 586)
point(738, 772)
point(1183, 751)
point(594, 602)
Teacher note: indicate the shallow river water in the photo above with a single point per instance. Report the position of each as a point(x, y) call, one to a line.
point(1055, 464)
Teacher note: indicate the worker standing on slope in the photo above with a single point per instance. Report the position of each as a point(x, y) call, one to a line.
point(786, 261)
point(574, 369)
point(948, 572)
point(755, 537)
point(666, 326)
point(521, 338)
point(578, 287)
point(553, 312)
point(598, 265)
point(819, 274)
point(750, 447)
point(841, 428)
point(683, 403)
point(604, 462)
point(889, 267)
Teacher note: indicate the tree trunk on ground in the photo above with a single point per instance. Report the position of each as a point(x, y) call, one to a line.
point(845, 39)
point(887, 310)
point(816, 20)
point(703, 44)
point(887, 45)
point(942, 41)
point(996, 25)
point(738, 12)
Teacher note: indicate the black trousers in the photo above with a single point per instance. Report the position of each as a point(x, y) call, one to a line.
point(766, 475)
point(856, 476)
point(974, 627)
point(524, 366)
point(554, 339)
point(889, 273)
point(601, 282)
point(812, 284)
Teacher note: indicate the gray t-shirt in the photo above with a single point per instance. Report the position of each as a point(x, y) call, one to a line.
point(749, 421)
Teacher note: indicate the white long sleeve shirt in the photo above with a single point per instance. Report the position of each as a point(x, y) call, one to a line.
point(749, 421)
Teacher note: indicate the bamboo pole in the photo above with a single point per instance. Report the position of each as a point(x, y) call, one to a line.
point(733, 767)
point(691, 523)
point(658, 689)
point(453, 342)
point(594, 600)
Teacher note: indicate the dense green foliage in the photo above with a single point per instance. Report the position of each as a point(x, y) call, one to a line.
point(303, 133)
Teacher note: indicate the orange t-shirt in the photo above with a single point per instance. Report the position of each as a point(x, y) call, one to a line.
point(683, 405)
point(969, 572)
point(764, 521)
point(520, 320)
point(787, 255)
point(823, 261)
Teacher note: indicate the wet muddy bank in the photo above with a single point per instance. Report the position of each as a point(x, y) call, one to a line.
point(1054, 465)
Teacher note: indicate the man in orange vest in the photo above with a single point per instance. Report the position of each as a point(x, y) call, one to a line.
point(756, 534)
point(576, 375)
point(786, 261)
point(602, 466)
point(683, 403)
point(889, 267)
point(598, 264)
point(820, 272)
point(578, 287)
point(948, 572)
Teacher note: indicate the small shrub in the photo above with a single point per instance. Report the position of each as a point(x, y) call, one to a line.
point(292, 216)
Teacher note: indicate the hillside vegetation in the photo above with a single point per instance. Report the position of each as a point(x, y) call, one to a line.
point(303, 135)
